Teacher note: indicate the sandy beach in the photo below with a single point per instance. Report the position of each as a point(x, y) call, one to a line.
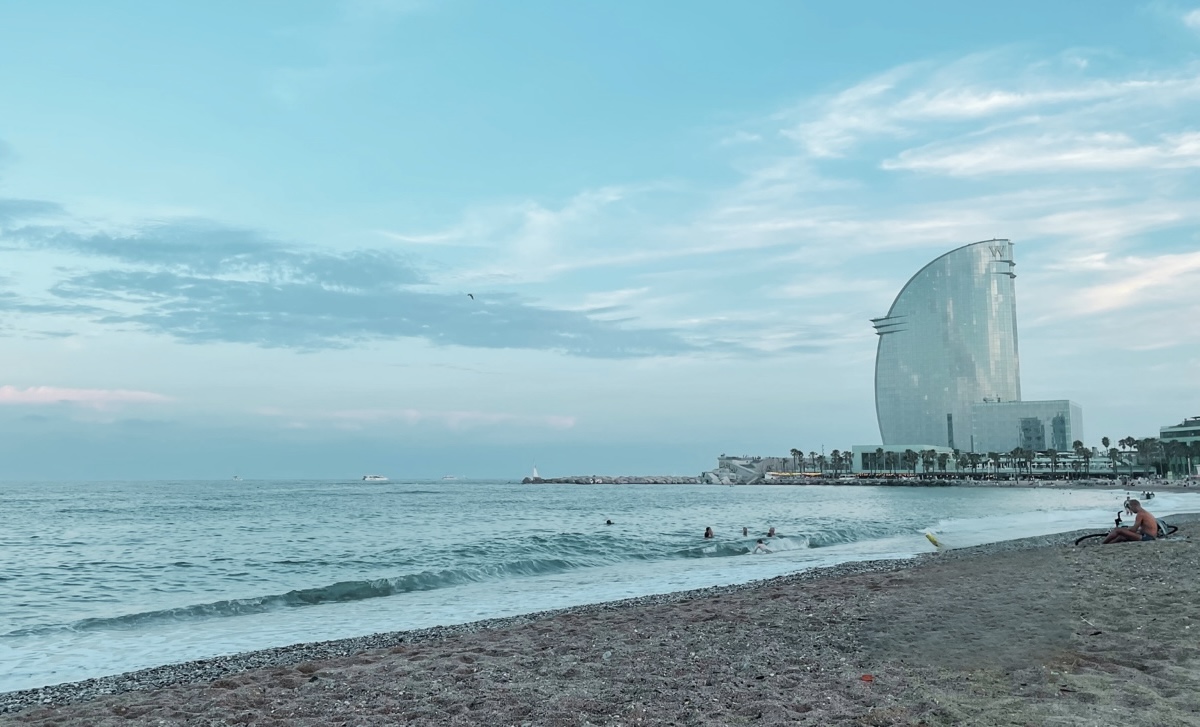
point(1031, 632)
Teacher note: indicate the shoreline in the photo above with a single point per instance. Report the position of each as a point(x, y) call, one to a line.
point(1101, 483)
point(196, 674)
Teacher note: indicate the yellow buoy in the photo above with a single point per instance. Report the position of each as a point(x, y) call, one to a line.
point(933, 540)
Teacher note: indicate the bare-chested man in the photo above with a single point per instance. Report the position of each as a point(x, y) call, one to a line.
point(1145, 527)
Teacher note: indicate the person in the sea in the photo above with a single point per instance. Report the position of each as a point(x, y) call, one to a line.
point(1145, 527)
point(760, 547)
point(771, 532)
point(608, 522)
point(708, 533)
point(745, 531)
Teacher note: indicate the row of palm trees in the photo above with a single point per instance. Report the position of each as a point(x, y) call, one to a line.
point(836, 462)
point(1161, 455)
point(1143, 455)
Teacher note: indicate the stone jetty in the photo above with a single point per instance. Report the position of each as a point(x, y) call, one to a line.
point(611, 480)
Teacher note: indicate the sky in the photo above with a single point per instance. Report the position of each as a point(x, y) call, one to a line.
point(423, 238)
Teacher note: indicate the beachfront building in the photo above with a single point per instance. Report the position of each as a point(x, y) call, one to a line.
point(1186, 432)
point(1001, 426)
point(949, 340)
point(901, 459)
point(947, 353)
point(744, 470)
point(1182, 443)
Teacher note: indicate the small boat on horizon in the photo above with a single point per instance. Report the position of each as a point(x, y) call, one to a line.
point(374, 478)
point(449, 477)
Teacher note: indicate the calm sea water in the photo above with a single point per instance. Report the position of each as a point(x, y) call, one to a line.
point(104, 577)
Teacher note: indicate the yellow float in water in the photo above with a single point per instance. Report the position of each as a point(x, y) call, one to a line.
point(933, 540)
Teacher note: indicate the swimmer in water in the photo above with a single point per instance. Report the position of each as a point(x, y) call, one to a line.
point(761, 548)
point(708, 533)
point(745, 531)
point(771, 532)
point(608, 522)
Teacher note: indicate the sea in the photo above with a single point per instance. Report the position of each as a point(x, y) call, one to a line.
point(100, 578)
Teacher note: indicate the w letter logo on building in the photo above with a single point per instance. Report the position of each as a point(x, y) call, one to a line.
point(998, 250)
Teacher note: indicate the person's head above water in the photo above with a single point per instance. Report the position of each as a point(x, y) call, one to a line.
point(608, 522)
point(708, 533)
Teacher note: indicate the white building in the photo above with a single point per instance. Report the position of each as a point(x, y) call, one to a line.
point(745, 469)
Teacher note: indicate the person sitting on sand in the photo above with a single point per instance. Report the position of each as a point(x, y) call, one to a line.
point(708, 533)
point(1145, 527)
point(761, 548)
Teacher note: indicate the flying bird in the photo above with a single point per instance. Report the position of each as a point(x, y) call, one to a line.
point(471, 296)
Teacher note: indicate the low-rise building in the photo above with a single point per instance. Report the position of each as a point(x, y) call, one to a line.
point(745, 469)
point(1002, 426)
point(900, 458)
point(1187, 431)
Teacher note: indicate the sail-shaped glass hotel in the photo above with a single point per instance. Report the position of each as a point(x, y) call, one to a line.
point(948, 342)
point(947, 372)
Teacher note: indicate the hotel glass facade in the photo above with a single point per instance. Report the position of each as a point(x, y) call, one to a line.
point(1035, 425)
point(948, 342)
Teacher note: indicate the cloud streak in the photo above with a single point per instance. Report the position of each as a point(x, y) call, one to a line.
point(457, 420)
point(201, 282)
point(92, 398)
point(1052, 153)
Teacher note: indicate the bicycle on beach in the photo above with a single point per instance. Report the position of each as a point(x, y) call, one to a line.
point(1163, 531)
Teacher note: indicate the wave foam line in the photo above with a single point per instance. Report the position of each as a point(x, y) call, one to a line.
point(341, 592)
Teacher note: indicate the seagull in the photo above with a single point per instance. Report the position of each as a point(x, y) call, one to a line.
point(471, 296)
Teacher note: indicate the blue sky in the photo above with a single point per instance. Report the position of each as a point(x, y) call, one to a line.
point(240, 237)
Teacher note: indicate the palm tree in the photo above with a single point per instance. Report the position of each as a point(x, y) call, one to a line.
point(1013, 458)
point(995, 458)
point(797, 454)
point(943, 459)
point(1128, 443)
point(1053, 455)
point(835, 459)
point(878, 458)
point(1171, 452)
point(931, 463)
point(1086, 454)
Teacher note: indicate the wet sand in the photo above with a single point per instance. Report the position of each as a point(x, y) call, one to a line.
point(1032, 632)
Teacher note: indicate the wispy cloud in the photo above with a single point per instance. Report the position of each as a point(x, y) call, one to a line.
point(1168, 282)
point(447, 419)
point(201, 282)
point(93, 398)
point(1052, 153)
point(1192, 19)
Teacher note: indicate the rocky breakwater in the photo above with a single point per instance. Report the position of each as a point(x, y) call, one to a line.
point(610, 480)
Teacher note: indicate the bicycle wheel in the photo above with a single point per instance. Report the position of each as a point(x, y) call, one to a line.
point(1090, 539)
